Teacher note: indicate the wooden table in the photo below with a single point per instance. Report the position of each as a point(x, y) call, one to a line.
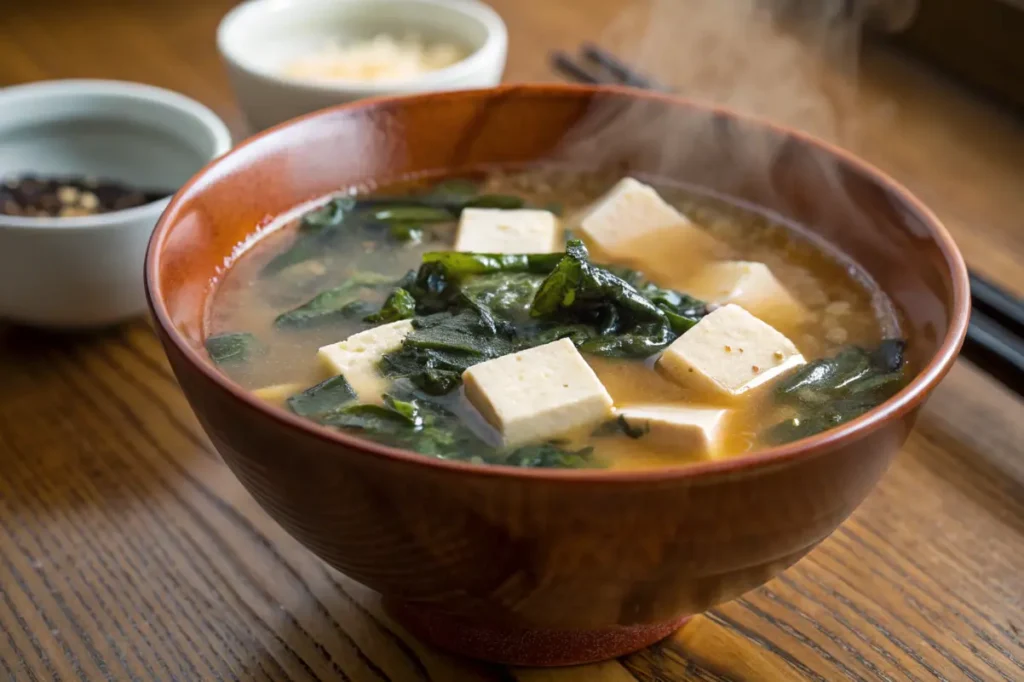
point(128, 551)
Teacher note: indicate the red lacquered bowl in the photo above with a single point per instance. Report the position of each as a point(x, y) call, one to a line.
point(543, 567)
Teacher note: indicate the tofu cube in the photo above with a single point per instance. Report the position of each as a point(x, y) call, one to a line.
point(689, 431)
point(728, 353)
point(631, 221)
point(278, 393)
point(492, 230)
point(357, 356)
point(749, 285)
point(537, 394)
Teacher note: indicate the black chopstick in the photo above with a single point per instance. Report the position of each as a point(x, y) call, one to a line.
point(617, 68)
point(995, 350)
point(995, 335)
point(998, 304)
point(563, 63)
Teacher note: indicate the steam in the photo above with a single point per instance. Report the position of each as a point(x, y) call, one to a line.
point(769, 58)
point(793, 62)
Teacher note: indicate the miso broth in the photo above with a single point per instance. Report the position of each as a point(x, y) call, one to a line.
point(387, 255)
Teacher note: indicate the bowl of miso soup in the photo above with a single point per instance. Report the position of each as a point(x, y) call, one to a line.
point(553, 368)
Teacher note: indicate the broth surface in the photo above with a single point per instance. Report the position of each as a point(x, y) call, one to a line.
point(844, 307)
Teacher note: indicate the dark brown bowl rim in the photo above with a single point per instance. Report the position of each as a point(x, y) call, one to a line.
point(907, 399)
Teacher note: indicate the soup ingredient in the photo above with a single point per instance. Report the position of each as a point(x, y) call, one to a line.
point(537, 394)
point(335, 302)
point(728, 353)
point(442, 347)
point(367, 219)
point(691, 431)
point(278, 393)
point(356, 358)
point(410, 420)
point(549, 456)
point(490, 230)
point(460, 311)
point(749, 285)
point(326, 396)
point(832, 391)
point(382, 57)
point(232, 347)
point(456, 265)
point(400, 305)
point(619, 320)
point(34, 196)
point(631, 221)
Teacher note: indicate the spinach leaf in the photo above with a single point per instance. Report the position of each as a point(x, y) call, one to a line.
point(644, 342)
point(459, 264)
point(377, 419)
point(406, 232)
point(624, 323)
point(414, 214)
point(331, 304)
point(548, 456)
point(832, 391)
point(622, 425)
point(502, 201)
point(330, 215)
point(326, 396)
point(232, 347)
point(577, 288)
point(440, 348)
point(316, 229)
point(400, 305)
point(506, 294)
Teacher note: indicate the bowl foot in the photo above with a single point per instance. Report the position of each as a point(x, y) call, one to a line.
point(538, 648)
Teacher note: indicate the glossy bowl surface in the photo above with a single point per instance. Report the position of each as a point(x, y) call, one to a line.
point(549, 567)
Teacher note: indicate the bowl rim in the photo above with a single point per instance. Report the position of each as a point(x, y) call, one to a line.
point(494, 43)
point(78, 87)
point(907, 399)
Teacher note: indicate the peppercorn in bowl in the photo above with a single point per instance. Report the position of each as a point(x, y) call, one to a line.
point(86, 168)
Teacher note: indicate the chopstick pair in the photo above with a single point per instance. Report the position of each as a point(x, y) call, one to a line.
point(995, 335)
point(600, 67)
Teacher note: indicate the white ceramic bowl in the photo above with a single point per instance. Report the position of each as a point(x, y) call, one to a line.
point(87, 271)
point(257, 38)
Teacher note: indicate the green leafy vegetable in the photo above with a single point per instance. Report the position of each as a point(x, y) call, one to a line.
point(324, 397)
point(400, 305)
point(832, 391)
point(328, 216)
point(332, 304)
point(414, 214)
point(406, 232)
point(440, 348)
point(232, 347)
point(416, 422)
point(617, 320)
point(458, 264)
point(502, 201)
point(622, 425)
point(506, 294)
point(549, 456)
point(316, 229)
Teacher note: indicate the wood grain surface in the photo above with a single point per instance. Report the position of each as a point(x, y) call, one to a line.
point(129, 552)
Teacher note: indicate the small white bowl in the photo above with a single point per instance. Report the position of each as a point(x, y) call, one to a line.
point(82, 272)
point(258, 38)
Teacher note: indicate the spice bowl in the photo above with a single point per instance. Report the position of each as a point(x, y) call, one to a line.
point(81, 269)
point(259, 39)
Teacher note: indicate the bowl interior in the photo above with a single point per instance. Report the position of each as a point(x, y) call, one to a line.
point(265, 36)
point(109, 134)
point(895, 239)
